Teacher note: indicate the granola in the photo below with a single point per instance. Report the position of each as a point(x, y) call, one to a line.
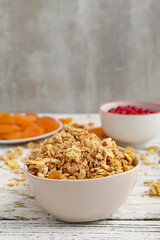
point(12, 153)
point(9, 160)
point(155, 189)
point(74, 154)
point(32, 145)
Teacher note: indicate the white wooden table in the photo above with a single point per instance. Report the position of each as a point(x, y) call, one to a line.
point(21, 217)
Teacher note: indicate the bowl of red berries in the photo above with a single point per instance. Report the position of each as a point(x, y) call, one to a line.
point(131, 122)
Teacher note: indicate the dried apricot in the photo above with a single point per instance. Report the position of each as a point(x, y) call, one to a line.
point(31, 118)
point(5, 114)
point(19, 126)
point(98, 131)
point(48, 123)
point(2, 136)
point(65, 120)
point(54, 175)
point(6, 119)
point(14, 135)
point(23, 120)
point(33, 131)
point(32, 114)
point(9, 128)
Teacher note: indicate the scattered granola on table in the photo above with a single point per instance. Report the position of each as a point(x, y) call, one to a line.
point(12, 153)
point(155, 189)
point(9, 159)
point(145, 156)
point(75, 153)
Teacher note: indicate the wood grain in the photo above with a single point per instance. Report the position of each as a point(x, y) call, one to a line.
point(99, 230)
point(72, 55)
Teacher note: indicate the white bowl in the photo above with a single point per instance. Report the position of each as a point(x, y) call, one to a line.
point(131, 129)
point(83, 200)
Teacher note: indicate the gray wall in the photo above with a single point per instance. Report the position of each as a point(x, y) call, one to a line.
point(72, 55)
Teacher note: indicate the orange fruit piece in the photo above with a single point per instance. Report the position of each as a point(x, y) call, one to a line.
point(6, 119)
point(31, 118)
point(98, 131)
point(33, 131)
point(23, 120)
point(54, 175)
point(9, 128)
point(14, 135)
point(33, 115)
point(48, 123)
point(2, 136)
point(65, 120)
point(5, 115)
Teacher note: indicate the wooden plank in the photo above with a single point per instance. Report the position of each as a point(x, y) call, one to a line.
point(86, 231)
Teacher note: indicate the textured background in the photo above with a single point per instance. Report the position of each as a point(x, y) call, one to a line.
point(72, 55)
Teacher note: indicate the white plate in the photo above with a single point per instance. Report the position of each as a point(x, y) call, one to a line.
point(23, 140)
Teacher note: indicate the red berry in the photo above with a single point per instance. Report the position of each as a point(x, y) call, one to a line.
point(130, 110)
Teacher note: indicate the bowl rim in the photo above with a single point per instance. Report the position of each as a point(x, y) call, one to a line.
point(129, 101)
point(88, 180)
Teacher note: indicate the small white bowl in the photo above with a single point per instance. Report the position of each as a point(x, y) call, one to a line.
point(131, 129)
point(84, 200)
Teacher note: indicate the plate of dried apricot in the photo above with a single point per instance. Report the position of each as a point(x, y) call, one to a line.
point(20, 128)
